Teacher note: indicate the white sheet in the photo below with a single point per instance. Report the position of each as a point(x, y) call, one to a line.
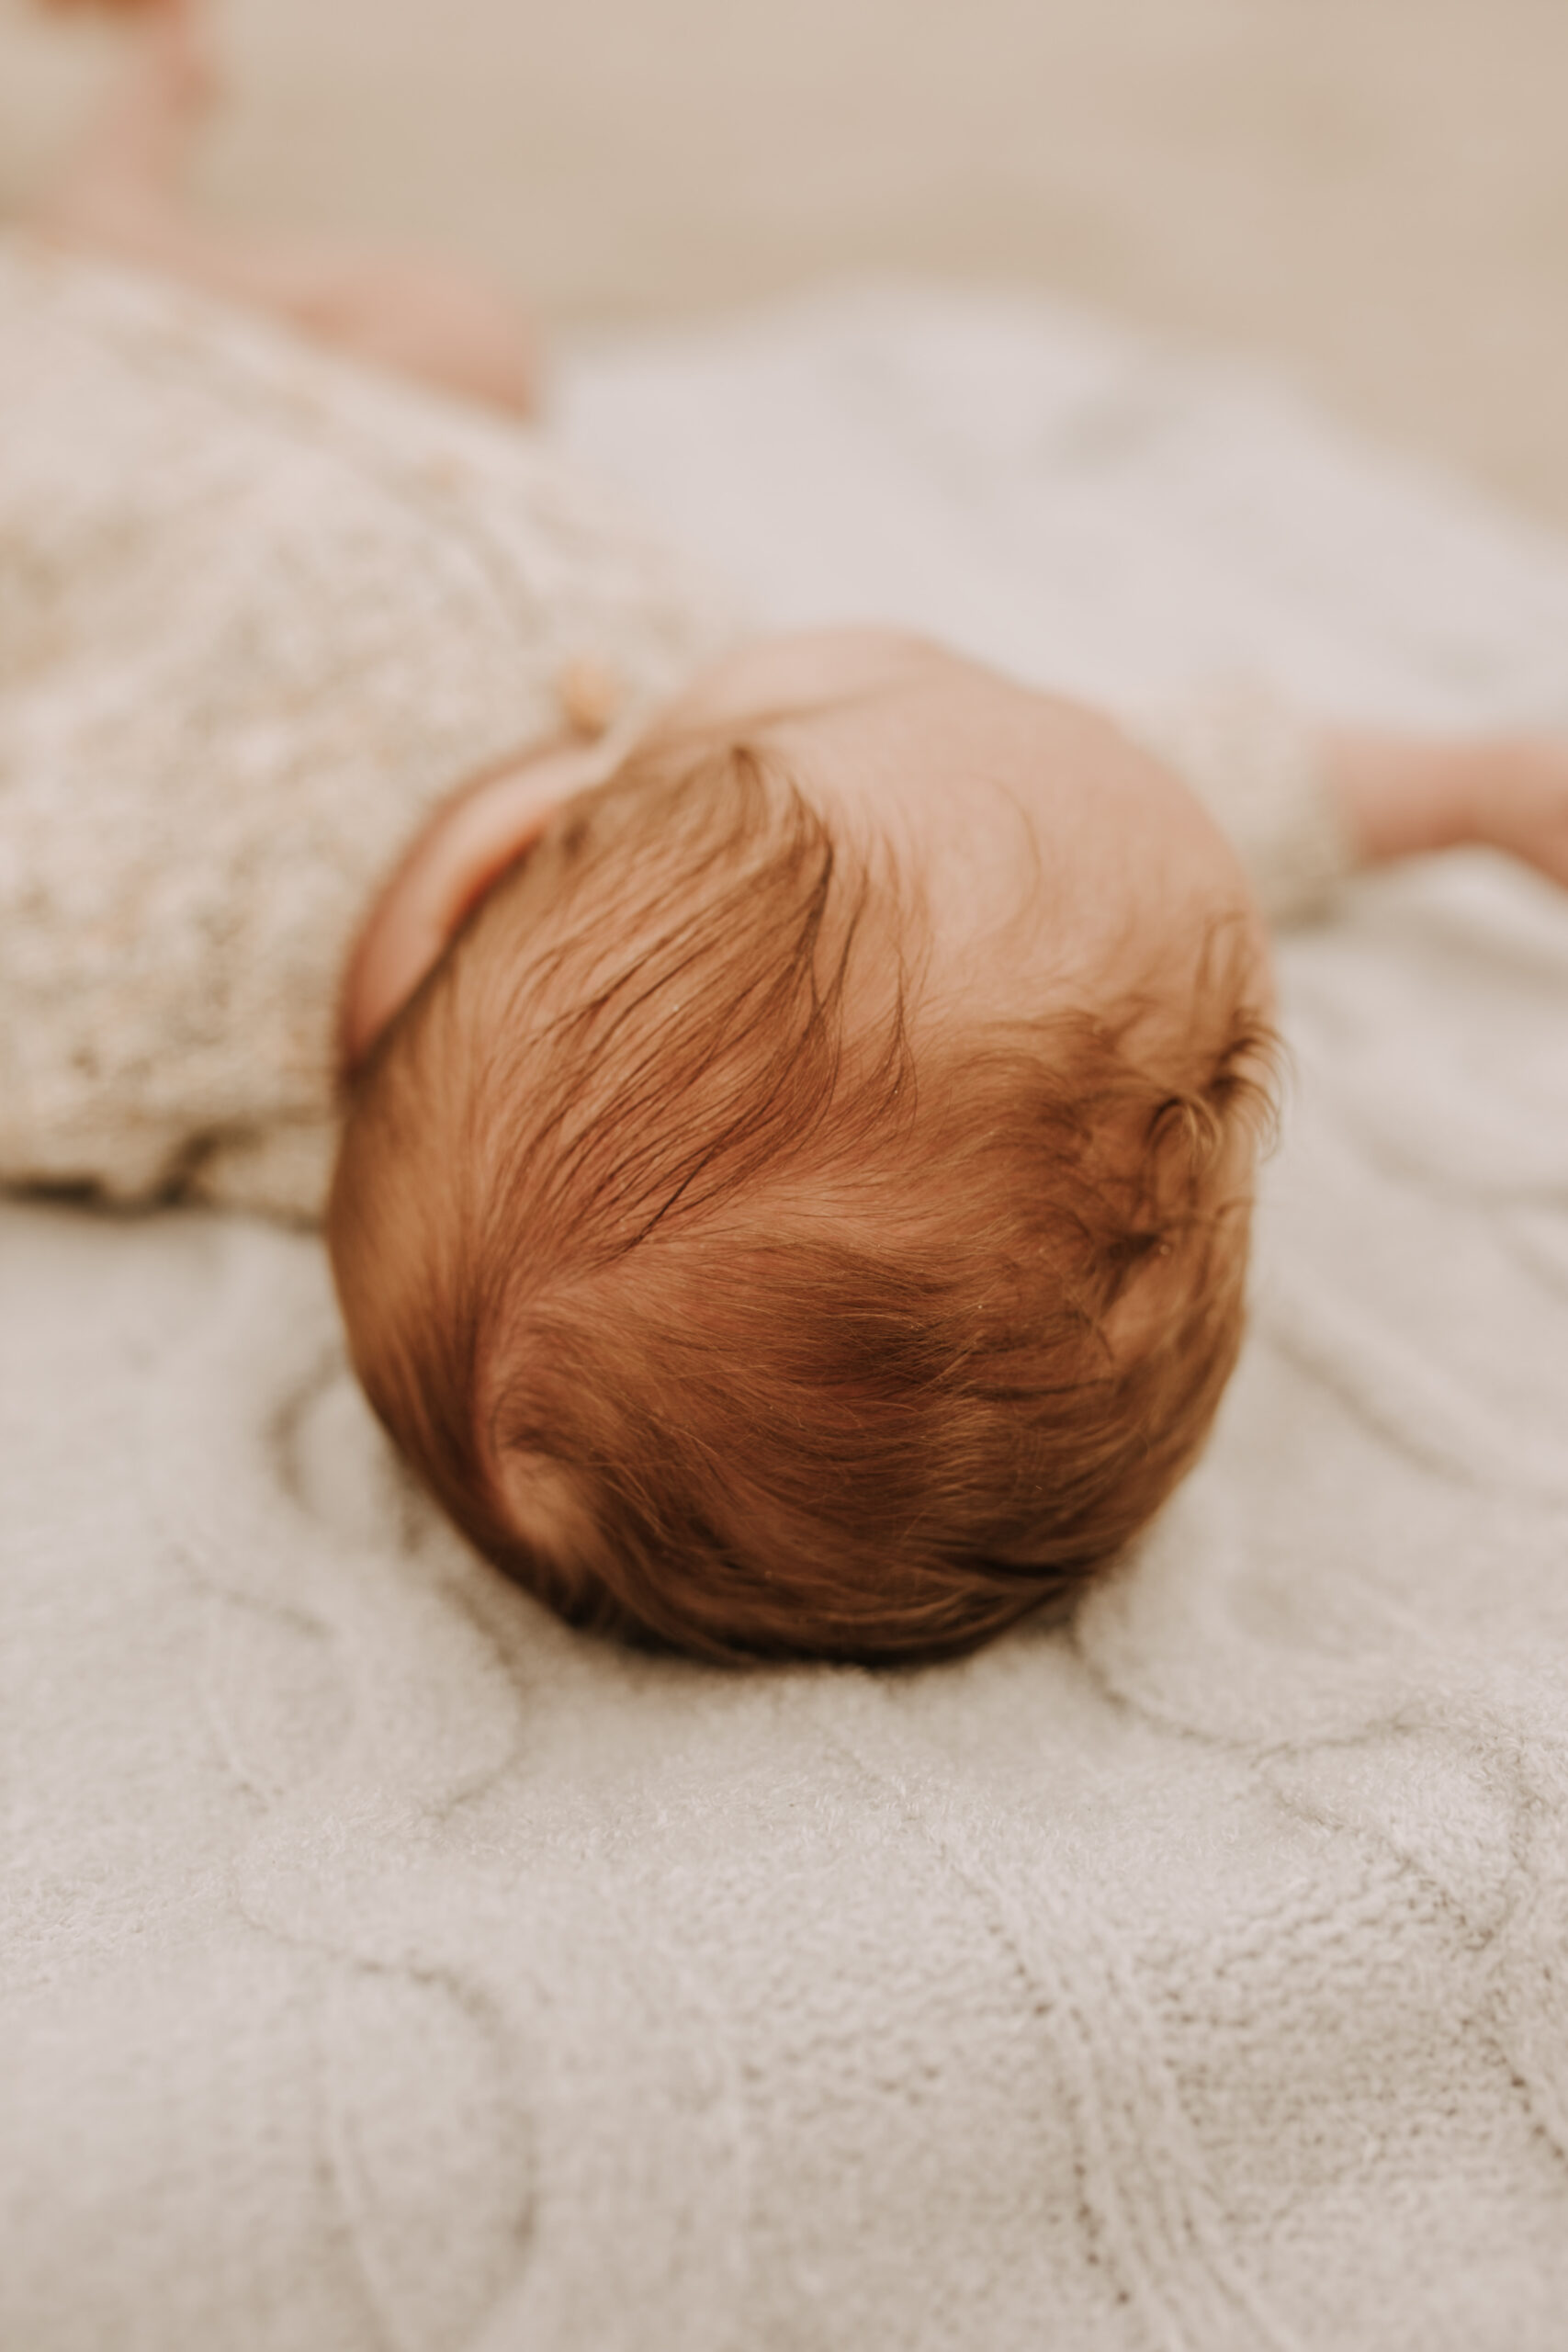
point(382, 1966)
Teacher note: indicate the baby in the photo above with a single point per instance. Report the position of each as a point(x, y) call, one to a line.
point(798, 1143)
point(794, 1194)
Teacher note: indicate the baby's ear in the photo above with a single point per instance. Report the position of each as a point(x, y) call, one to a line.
point(564, 1552)
point(547, 1507)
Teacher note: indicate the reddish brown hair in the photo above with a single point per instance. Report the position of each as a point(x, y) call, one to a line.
point(721, 1317)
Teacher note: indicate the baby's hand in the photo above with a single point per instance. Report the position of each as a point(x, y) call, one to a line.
point(1401, 796)
point(1521, 803)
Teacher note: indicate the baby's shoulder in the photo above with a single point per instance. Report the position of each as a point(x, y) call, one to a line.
point(260, 612)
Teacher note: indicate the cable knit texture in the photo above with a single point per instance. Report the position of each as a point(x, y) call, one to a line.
point(387, 1969)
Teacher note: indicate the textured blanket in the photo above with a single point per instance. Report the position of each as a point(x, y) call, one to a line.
point(382, 1967)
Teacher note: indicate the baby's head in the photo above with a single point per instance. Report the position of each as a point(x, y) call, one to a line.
point(804, 1211)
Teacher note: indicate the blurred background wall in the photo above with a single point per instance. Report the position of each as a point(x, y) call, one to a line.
point(1373, 192)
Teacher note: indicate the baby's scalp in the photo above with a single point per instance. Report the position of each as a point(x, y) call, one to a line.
point(735, 1296)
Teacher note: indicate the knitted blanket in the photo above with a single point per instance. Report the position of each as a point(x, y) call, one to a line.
point(382, 1967)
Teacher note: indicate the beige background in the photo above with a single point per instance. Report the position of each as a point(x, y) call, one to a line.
point(1374, 192)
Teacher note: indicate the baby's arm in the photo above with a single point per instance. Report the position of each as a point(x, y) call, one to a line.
point(1305, 803)
point(1399, 796)
point(429, 317)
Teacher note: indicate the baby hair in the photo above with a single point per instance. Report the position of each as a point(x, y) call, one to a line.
point(732, 1307)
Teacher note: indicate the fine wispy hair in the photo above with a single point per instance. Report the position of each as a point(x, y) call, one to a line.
point(730, 1305)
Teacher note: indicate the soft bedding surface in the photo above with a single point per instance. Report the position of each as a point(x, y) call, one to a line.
point(384, 1967)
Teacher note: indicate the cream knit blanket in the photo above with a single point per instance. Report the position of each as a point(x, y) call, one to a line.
point(384, 1967)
